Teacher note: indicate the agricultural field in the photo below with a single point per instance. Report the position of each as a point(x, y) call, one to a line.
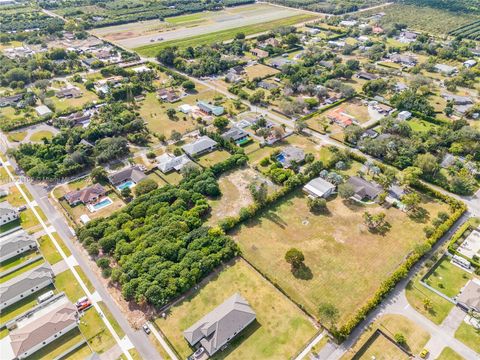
point(280, 330)
point(420, 18)
point(337, 248)
point(468, 31)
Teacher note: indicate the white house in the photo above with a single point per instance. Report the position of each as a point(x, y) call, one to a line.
point(469, 63)
point(7, 213)
point(167, 162)
point(43, 110)
point(319, 188)
point(404, 115)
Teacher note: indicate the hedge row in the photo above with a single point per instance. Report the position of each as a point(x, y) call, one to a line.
point(401, 272)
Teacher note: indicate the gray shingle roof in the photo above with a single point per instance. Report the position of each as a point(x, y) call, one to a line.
point(199, 146)
point(24, 282)
point(11, 244)
point(319, 187)
point(364, 188)
point(132, 173)
point(234, 134)
point(219, 326)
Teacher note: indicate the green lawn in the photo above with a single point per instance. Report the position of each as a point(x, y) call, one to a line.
point(17, 136)
point(62, 344)
point(17, 260)
point(22, 270)
point(84, 278)
point(382, 348)
point(94, 330)
point(9, 226)
point(447, 278)
point(449, 354)
point(39, 135)
point(213, 158)
point(112, 320)
point(152, 50)
point(421, 126)
point(338, 249)
point(416, 293)
point(66, 282)
point(280, 330)
point(49, 251)
point(470, 336)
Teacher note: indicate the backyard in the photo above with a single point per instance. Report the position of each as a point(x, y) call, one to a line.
point(337, 246)
point(279, 331)
point(447, 278)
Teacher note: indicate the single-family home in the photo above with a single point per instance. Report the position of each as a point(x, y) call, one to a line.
point(291, 155)
point(87, 195)
point(43, 327)
point(236, 135)
point(141, 69)
point(364, 190)
point(68, 93)
point(404, 115)
point(221, 325)
point(43, 110)
point(278, 62)
point(168, 95)
point(270, 41)
point(457, 99)
point(200, 146)
point(366, 75)
point(403, 59)
point(348, 23)
point(336, 43)
point(10, 100)
point(319, 188)
point(469, 298)
point(469, 63)
point(25, 284)
point(168, 162)
point(80, 118)
point(341, 118)
point(407, 37)
point(445, 69)
point(377, 30)
point(16, 244)
point(267, 85)
point(129, 176)
point(7, 213)
point(259, 53)
point(210, 109)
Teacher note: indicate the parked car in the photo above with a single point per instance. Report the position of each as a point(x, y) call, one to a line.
point(424, 353)
point(146, 329)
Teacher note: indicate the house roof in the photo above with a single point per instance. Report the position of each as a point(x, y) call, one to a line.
point(131, 173)
point(35, 332)
point(200, 145)
point(234, 134)
point(457, 99)
point(215, 110)
point(220, 325)
point(445, 68)
point(471, 295)
point(447, 161)
point(366, 75)
point(339, 116)
point(291, 154)
point(364, 188)
point(6, 209)
point(12, 243)
point(167, 162)
point(318, 187)
point(24, 282)
point(43, 110)
point(86, 194)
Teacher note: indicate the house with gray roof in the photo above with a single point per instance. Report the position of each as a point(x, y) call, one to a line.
point(15, 244)
point(168, 162)
point(221, 325)
point(132, 173)
point(319, 188)
point(200, 146)
point(291, 155)
point(364, 190)
point(7, 213)
point(236, 135)
point(25, 284)
point(469, 298)
point(445, 69)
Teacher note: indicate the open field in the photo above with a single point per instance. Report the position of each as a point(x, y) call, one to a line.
point(337, 246)
point(279, 331)
point(470, 336)
point(382, 349)
point(449, 354)
point(259, 71)
point(251, 19)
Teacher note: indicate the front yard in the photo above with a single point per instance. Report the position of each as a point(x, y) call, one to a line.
point(447, 278)
point(279, 331)
point(344, 262)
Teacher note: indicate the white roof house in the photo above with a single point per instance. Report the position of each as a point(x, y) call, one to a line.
point(167, 162)
point(319, 187)
point(185, 108)
point(141, 69)
point(469, 63)
point(445, 69)
point(43, 110)
point(404, 115)
point(202, 145)
point(84, 218)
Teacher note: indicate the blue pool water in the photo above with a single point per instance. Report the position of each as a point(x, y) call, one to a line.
point(280, 158)
point(102, 204)
point(128, 184)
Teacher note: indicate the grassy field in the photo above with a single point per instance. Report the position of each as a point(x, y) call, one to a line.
point(449, 354)
point(337, 246)
point(416, 293)
point(381, 348)
point(259, 70)
point(66, 282)
point(213, 158)
point(421, 126)
point(16, 136)
point(39, 135)
point(112, 320)
point(152, 49)
point(470, 336)
point(48, 250)
point(448, 278)
point(95, 332)
point(280, 330)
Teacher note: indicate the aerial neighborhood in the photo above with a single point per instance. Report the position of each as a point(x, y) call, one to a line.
point(239, 179)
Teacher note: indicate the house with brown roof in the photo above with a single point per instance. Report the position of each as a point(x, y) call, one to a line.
point(168, 95)
point(87, 195)
point(68, 93)
point(259, 53)
point(42, 328)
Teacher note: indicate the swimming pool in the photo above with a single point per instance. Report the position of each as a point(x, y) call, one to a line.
point(128, 184)
point(280, 158)
point(101, 204)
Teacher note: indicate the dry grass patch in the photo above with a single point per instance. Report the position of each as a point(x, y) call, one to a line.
point(345, 263)
point(259, 71)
